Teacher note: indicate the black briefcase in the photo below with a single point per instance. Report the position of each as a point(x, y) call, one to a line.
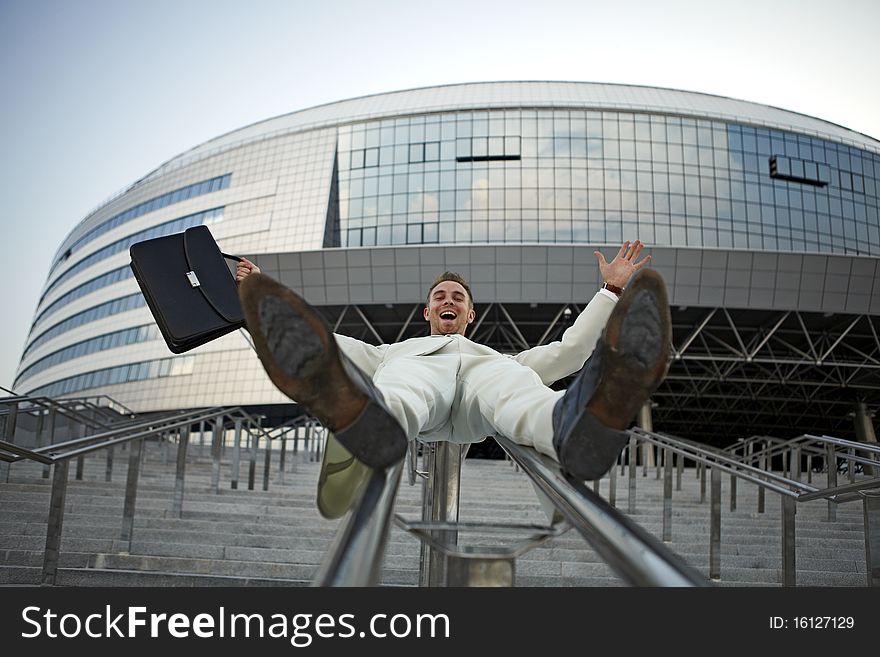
point(188, 287)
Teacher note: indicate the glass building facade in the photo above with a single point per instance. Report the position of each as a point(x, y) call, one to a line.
point(360, 202)
point(567, 176)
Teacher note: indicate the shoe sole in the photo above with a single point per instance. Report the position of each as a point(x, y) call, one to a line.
point(633, 366)
point(301, 357)
point(635, 354)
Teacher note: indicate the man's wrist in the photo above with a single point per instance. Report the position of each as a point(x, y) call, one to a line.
point(612, 288)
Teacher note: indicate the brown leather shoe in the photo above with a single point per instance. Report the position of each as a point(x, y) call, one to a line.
point(300, 355)
point(629, 362)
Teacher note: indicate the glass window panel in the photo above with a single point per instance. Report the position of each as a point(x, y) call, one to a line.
point(416, 153)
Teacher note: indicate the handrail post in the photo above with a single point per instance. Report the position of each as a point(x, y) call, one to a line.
point(762, 463)
point(733, 479)
point(851, 465)
point(9, 436)
point(831, 458)
point(55, 524)
point(131, 486)
point(267, 463)
point(51, 432)
point(871, 508)
point(236, 455)
point(679, 467)
point(715, 525)
point(612, 484)
point(796, 463)
point(632, 454)
point(809, 468)
point(252, 465)
point(445, 484)
point(182, 442)
point(108, 472)
point(667, 496)
point(215, 454)
point(703, 483)
point(281, 459)
point(789, 556)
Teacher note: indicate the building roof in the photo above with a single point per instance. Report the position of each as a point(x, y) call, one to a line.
point(527, 94)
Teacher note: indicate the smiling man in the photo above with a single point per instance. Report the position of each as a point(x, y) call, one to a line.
point(447, 387)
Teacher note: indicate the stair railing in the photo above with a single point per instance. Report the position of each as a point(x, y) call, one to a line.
point(59, 455)
point(791, 491)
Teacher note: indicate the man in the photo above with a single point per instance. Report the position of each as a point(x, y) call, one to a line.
point(447, 387)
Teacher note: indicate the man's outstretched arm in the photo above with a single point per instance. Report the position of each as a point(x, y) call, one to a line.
point(566, 356)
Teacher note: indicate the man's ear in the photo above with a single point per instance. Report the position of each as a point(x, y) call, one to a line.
point(425, 313)
point(471, 316)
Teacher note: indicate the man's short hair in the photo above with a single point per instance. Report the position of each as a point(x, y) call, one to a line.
point(455, 278)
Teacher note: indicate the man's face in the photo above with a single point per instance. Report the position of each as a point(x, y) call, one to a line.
point(448, 309)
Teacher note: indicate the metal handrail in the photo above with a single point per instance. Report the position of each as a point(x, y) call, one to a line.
point(355, 556)
point(633, 553)
point(797, 490)
point(724, 463)
point(791, 492)
point(48, 454)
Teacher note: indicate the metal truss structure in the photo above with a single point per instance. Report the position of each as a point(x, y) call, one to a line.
point(733, 373)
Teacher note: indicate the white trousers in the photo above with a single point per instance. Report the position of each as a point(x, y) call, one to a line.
point(462, 397)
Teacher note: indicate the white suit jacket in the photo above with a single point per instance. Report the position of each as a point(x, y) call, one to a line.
point(551, 362)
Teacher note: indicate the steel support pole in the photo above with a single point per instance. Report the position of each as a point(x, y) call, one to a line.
point(267, 464)
point(612, 485)
point(809, 468)
point(182, 443)
point(871, 508)
point(446, 485)
point(216, 437)
point(796, 463)
point(281, 459)
point(51, 432)
point(236, 455)
point(667, 496)
point(789, 556)
point(715, 525)
point(865, 433)
point(832, 479)
point(108, 472)
point(702, 483)
point(56, 522)
point(633, 466)
point(131, 488)
point(733, 492)
point(646, 422)
point(252, 465)
point(9, 436)
point(679, 467)
point(763, 466)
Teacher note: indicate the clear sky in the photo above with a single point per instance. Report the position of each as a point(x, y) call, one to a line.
point(97, 93)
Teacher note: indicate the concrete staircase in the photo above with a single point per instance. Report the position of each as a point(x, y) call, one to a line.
point(277, 538)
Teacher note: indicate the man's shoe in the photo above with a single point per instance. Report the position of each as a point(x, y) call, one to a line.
point(300, 355)
point(629, 362)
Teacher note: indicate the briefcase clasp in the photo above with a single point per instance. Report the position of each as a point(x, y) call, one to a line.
point(193, 279)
